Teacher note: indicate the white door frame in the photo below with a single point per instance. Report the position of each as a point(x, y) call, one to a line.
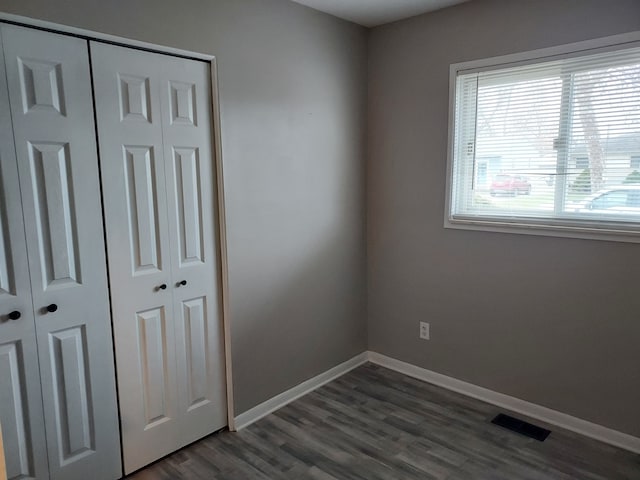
point(217, 153)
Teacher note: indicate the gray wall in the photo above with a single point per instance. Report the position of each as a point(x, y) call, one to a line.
point(293, 118)
point(550, 320)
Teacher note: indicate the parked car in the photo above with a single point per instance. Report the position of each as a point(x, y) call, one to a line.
point(620, 200)
point(510, 185)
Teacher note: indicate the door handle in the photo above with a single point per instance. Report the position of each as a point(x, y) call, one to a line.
point(52, 308)
point(181, 283)
point(15, 315)
point(161, 287)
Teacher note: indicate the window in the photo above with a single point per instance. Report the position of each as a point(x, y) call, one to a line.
point(559, 126)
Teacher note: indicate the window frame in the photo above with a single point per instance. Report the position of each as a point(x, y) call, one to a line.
point(573, 228)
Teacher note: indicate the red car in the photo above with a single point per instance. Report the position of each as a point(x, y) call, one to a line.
point(510, 185)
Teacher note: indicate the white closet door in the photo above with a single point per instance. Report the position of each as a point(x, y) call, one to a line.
point(20, 396)
point(128, 110)
point(161, 231)
point(51, 105)
point(187, 133)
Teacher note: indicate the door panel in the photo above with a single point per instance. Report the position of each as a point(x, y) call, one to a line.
point(133, 179)
point(189, 205)
point(142, 200)
point(7, 280)
point(23, 450)
point(152, 332)
point(189, 166)
point(188, 143)
point(156, 109)
point(197, 353)
point(56, 222)
point(71, 393)
point(182, 104)
point(41, 86)
point(21, 412)
point(135, 98)
point(51, 105)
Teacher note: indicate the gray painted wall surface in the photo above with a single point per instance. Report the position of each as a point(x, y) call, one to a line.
point(550, 320)
point(293, 123)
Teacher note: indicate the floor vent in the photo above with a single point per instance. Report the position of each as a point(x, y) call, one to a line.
point(521, 427)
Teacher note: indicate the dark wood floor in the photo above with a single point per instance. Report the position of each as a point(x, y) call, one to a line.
point(373, 423)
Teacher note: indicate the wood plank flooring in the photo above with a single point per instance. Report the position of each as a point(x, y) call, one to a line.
point(373, 423)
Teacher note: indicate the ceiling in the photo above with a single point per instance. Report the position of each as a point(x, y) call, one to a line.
point(371, 13)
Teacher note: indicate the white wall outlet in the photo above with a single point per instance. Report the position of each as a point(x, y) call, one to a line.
point(424, 331)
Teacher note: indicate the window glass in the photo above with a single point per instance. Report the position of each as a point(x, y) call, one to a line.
point(615, 199)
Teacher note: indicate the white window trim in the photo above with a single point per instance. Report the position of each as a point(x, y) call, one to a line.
point(546, 227)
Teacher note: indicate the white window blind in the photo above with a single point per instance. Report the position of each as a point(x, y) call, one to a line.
point(549, 143)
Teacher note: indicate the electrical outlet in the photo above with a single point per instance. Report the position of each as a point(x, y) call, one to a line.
point(424, 331)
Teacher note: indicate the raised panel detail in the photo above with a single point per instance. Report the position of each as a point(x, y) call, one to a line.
point(152, 335)
point(183, 104)
point(142, 201)
point(7, 281)
point(14, 413)
point(72, 396)
point(195, 329)
point(55, 213)
point(135, 101)
point(41, 86)
point(189, 198)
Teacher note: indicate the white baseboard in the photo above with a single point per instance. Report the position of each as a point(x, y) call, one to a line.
point(583, 427)
point(256, 413)
point(544, 414)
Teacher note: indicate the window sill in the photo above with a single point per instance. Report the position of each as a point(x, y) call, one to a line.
point(606, 232)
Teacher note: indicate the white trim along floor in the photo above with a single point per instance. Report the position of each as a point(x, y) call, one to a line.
point(532, 410)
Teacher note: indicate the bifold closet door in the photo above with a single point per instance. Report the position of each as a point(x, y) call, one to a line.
point(20, 396)
point(154, 129)
point(52, 111)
